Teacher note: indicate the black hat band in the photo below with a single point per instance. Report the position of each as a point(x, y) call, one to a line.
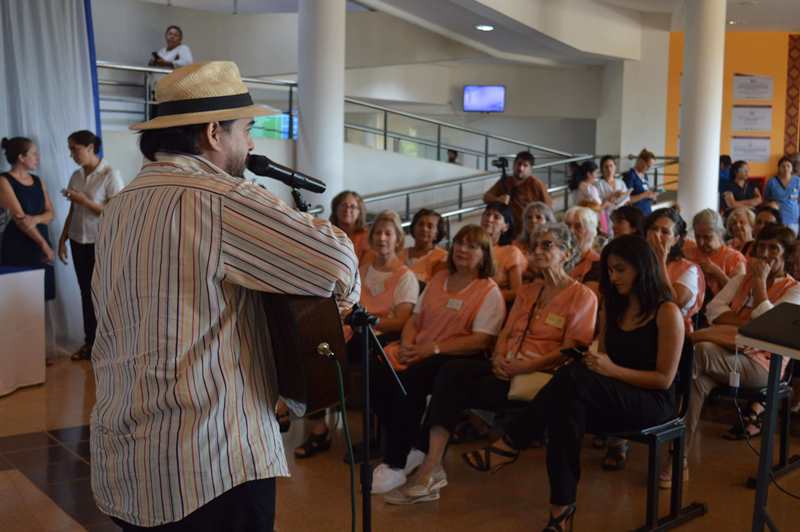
point(200, 105)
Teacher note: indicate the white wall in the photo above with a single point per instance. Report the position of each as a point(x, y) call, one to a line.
point(609, 123)
point(127, 31)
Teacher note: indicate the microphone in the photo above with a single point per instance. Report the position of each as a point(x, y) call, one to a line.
point(260, 165)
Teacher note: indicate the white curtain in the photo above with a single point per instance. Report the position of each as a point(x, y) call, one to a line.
point(46, 94)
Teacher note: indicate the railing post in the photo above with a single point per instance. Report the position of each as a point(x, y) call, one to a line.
point(385, 131)
point(486, 153)
point(408, 207)
point(291, 114)
point(655, 179)
point(460, 199)
point(438, 142)
point(549, 177)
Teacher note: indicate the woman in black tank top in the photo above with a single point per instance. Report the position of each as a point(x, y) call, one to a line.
point(625, 386)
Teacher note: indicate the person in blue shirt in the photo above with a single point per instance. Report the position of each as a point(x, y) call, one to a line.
point(636, 179)
point(725, 163)
point(784, 189)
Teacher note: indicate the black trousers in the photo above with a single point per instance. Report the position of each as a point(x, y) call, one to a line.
point(401, 416)
point(578, 400)
point(83, 259)
point(463, 384)
point(247, 507)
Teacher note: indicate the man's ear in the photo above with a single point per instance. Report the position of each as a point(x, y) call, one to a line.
point(211, 139)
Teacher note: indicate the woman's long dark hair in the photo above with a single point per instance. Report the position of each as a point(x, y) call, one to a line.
point(679, 229)
point(580, 175)
point(649, 287)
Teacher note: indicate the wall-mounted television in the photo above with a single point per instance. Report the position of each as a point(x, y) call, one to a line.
point(484, 98)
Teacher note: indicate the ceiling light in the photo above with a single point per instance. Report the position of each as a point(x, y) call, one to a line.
point(484, 27)
point(731, 22)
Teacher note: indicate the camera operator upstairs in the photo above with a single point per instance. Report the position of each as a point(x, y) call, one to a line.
point(519, 189)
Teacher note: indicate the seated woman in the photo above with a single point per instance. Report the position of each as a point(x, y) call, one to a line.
point(739, 224)
point(746, 296)
point(718, 261)
point(424, 257)
point(349, 214)
point(553, 313)
point(583, 224)
point(764, 215)
point(534, 215)
point(666, 232)
point(497, 221)
point(458, 315)
point(585, 193)
point(625, 385)
point(389, 291)
point(627, 220)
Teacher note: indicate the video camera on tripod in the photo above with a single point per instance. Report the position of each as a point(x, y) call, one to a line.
point(501, 163)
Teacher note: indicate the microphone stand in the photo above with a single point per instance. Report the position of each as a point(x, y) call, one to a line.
point(361, 322)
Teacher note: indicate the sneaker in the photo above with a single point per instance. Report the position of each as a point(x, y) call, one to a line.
point(413, 461)
point(422, 488)
point(400, 497)
point(385, 479)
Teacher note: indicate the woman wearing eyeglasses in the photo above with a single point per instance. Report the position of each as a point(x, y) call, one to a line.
point(349, 214)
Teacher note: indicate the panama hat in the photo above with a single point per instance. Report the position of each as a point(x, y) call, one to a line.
point(202, 93)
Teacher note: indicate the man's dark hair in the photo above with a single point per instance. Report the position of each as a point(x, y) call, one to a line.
point(178, 139)
point(525, 156)
point(649, 287)
point(725, 161)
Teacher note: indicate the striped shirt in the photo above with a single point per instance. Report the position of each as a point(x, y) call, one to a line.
point(183, 366)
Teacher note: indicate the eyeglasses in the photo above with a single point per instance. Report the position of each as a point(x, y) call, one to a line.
point(546, 245)
point(345, 207)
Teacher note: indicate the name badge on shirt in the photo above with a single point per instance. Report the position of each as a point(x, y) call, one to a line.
point(554, 320)
point(454, 304)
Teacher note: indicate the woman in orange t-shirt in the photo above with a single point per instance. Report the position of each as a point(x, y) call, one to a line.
point(719, 262)
point(458, 316)
point(389, 291)
point(665, 231)
point(424, 257)
point(552, 313)
point(497, 221)
point(349, 214)
point(582, 221)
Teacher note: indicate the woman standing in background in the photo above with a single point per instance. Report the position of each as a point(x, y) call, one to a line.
point(89, 189)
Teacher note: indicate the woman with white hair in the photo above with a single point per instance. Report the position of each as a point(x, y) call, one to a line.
point(554, 312)
point(719, 262)
point(583, 222)
point(536, 213)
point(740, 224)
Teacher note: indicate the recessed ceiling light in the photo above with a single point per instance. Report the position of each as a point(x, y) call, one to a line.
point(484, 27)
point(731, 22)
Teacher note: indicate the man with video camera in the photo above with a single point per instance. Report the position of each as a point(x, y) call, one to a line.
point(518, 189)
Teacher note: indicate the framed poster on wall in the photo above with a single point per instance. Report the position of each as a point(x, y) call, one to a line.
point(751, 118)
point(751, 149)
point(748, 87)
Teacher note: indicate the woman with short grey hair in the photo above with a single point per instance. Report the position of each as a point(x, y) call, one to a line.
point(536, 213)
point(718, 261)
point(740, 224)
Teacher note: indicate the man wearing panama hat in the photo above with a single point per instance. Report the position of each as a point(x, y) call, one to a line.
point(184, 435)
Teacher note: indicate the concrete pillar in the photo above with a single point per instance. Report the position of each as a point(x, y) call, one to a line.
point(701, 107)
point(321, 45)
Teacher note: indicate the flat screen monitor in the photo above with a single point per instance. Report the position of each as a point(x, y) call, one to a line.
point(484, 98)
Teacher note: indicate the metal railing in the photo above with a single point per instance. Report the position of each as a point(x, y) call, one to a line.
point(484, 146)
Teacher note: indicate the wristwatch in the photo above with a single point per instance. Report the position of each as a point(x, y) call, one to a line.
point(436, 349)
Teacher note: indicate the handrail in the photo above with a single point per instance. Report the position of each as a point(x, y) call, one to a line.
point(449, 125)
point(155, 70)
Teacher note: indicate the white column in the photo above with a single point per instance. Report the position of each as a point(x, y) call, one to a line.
point(320, 78)
point(701, 105)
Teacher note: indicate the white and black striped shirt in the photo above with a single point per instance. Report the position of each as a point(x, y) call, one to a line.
point(183, 365)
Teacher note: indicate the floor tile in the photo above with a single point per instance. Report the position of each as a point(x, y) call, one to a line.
point(71, 434)
point(48, 465)
point(80, 448)
point(4, 464)
point(76, 499)
point(25, 441)
point(24, 508)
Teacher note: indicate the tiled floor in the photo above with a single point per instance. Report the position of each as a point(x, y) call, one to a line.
point(44, 479)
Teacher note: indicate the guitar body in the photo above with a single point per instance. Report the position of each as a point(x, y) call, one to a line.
point(297, 326)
